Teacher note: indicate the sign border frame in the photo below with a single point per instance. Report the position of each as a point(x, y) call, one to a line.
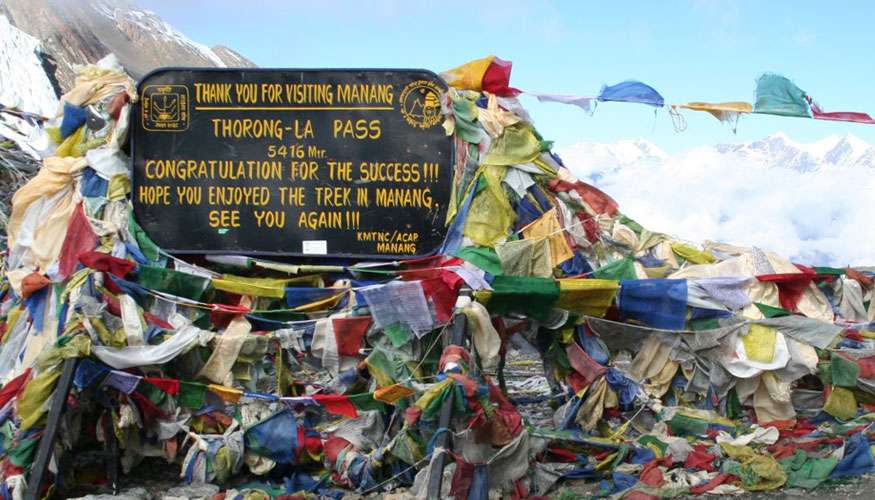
point(133, 115)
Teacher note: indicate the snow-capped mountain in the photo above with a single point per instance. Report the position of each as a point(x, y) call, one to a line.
point(593, 160)
point(23, 82)
point(775, 193)
point(596, 159)
point(780, 150)
point(83, 31)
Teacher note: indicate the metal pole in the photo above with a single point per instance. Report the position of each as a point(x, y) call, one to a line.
point(112, 454)
point(44, 452)
point(438, 463)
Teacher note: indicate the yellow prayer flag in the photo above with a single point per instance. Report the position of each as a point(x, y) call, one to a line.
point(468, 76)
point(119, 187)
point(691, 254)
point(759, 343)
point(431, 393)
point(228, 394)
point(392, 393)
point(547, 226)
point(841, 403)
point(591, 297)
point(323, 304)
point(721, 110)
point(259, 287)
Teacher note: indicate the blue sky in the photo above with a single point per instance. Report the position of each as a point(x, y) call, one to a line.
point(690, 51)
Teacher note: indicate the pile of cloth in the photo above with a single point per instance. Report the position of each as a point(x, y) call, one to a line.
point(676, 368)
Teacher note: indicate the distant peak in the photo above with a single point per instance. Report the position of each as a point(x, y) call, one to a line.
point(853, 140)
point(779, 137)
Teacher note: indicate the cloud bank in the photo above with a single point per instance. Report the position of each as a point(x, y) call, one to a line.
point(814, 203)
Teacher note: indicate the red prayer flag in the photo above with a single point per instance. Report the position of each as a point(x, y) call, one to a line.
point(652, 476)
point(148, 409)
point(839, 116)
point(496, 80)
point(12, 387)
point(640, 495)
point(597, 199)
point(699, 459)
point(107, 263)
point(229, 308)
point(333, 447)
point(32, 283)
point(710, 485)
point(349, 333)
point(336, 404)
point(168, 385)
point(442, 296)
point(462, 479)
point(865, 281)
point(583, 364)
point(791, 286)
point(79, 238)
point(116, 104)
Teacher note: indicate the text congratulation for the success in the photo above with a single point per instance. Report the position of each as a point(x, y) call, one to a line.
point(295, 162)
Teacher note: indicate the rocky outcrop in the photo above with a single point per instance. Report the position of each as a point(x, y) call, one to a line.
point(73, 33)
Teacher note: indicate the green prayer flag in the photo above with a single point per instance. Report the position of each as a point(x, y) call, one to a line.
point(366, 402)
point(682, 425)
point(434, 407)
point(704, 324)
point(558, 359)
point(482, 257)
point(191, 395)
point(733, 405)
point(408, 448)
point(399, 334)
point(824, 372)
point(172, 282)
point(147, 246)
point(772, 312)
point(807, 472)
point(648, 440)
point(631, 224)
point(21, 455)
point(843, 372)
point(777, 95)
point(380, 368)
point(622, 269)
point(465, 113)
point(151, 392)
point(524, 294)
point(835, 271)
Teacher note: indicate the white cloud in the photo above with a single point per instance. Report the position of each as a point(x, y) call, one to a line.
point(809, 202)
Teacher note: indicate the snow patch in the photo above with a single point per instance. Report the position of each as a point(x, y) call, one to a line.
point(161, 29)
point(24, 84)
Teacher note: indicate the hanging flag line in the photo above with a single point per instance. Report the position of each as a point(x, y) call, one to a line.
point(774, 95)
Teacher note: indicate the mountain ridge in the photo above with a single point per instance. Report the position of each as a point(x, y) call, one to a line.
point(592, 160)
point(80, 32)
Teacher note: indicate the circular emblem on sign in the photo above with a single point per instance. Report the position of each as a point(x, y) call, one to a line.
point(421, 103)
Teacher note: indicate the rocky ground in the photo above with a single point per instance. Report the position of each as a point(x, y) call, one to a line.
point(15, 168)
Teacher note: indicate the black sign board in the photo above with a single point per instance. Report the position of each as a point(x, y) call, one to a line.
point(292, 162)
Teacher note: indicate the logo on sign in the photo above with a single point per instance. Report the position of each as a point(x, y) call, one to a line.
point(165, 108)
point(421, 104)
